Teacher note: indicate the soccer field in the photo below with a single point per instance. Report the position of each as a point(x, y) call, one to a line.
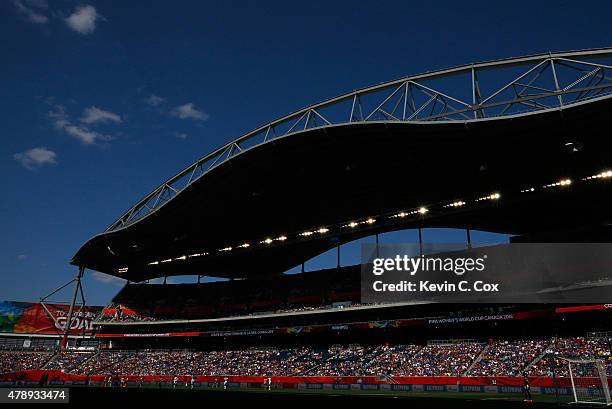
point(305, 397)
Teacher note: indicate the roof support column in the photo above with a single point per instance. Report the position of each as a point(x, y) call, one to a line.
point(420, 241)
point(77, 287)
point(469, 238)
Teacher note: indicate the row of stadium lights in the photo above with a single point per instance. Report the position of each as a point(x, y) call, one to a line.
point(421, 211)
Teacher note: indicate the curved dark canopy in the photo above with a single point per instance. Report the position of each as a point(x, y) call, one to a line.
point(402, 170)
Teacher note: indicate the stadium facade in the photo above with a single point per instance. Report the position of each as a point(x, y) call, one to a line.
point(516, 146)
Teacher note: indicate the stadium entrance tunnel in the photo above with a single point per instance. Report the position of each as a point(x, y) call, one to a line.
point(275, 205)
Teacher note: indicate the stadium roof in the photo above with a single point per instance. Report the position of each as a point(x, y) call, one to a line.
point(511, 146)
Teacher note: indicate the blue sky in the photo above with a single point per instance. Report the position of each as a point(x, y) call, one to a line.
point(101, 101)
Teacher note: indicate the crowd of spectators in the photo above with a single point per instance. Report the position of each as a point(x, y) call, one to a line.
point(264, 362)
point(441, 360)
point(288, 293)
point(124, 318)
point(499, 358)
point(576, 347)
point(14, 361)
point(353, 360)
point(101, 363)
point(68, 360)
point(508, 358)
point(392, 359)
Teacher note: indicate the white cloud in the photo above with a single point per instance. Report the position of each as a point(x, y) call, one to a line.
point(154, 100)
point(28, 11)
point(82, 133)
point(108, 279)
point(181, 135)
point(36, 158)
point(94, 114)
point(22, 257)
point(188, 111)
point(58, 115)
point(83, 19)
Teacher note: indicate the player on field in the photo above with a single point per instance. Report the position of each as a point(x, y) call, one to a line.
point(526, 388)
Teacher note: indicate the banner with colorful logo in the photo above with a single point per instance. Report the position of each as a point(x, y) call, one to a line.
point(33, 318)
point(383, 324)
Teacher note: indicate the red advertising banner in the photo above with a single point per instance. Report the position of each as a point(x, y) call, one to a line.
point(47, 319)
point(34, 375)
point(580, 308)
